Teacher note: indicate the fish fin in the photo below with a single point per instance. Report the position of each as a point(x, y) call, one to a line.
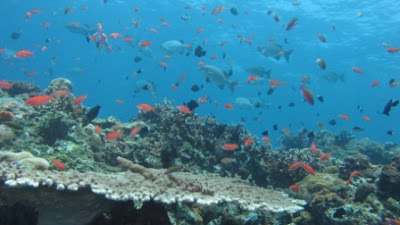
point(287, 55)
point(232, 85)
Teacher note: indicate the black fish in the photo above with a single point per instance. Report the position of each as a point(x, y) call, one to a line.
point(187, 53)
point(311, 136)
point(265, 133)
point(395, 103)
point(93, 112)
point(358, 129)
point(137, 59)
point(223, 55)
point(359, 108)
point(243, 119)
point(390, 132)
point(332, 122)
point(47, 40)
point(275, 127)
point(139, 71)
point(199, 52)
point(320, 98)
point(291, 104)
point(15, 35)
point(234, 11)
point(388, 107)
point(192, 105)
point(270, 90)
point(196, 88)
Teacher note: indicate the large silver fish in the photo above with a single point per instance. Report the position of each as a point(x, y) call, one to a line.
point(333, 77)
point(259, 71)
point(275, 51)
point(79, 28)
point(173, 47)
point(218, 77)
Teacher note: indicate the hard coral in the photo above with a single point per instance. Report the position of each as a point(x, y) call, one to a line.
point(389, 181)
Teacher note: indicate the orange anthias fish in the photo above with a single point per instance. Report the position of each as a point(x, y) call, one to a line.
point(200, 30)
point(393, 50)
point(79, 99)
point(115, 35)
point(97, 129)
point(394, 221)
point(352, 174)
point(5, 85)
point(266, 139)
point(230, 147)
point(325, 156)
point(314, 149)
point(58, 164)
point(306, 167)
point(251, 78)
point(184, 109)
point(228, 106)
point(60, 93)
point(145, 43)
point(23, 54)
point(357, 70)
point(38, 100)
point(307, 95)
point(145, 107)
point(217, 10)
point(134, 131)
point(112, 136)
point(374, 83)
point(366, 118)
point(248, 142)
point(344, 116)
point(295, 188)
point(203, 100)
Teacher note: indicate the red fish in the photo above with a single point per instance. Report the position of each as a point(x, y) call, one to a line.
point(145, 43)
point(314, 149)
point(295, 188)
point(115, 35)
point(5, 85)
point(307, 95)
point(352, 174)
point(23, 54)
point(295, 165)
point(112, 136)
point(266, 139)
point(58, 164)
point(223, 43)
point(228, 106)
point(134, 131)
point(213, 56)
point(251, 78)
point(325, 156)
point(79, 99)
point(273, 82)
point(344, 116)
point(248, 142)
point(200, 30)
point(393, 50)
point(201, 63)
point(357, 70)
point(145, 107)
point(230, 147)
point(38, 100)
point(203, 100)
point(394, 221)
point(308, 169)
point(182, 77)
point(374, 83)
point(60, 93)
point(291, 24)
point(366, 118)
point(97, 129)
point(184, 109)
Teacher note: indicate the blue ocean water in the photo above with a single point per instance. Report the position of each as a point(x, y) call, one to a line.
point(361, 28)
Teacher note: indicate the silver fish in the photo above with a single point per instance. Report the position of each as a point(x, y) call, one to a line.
point(275, 51)
point(216, 76)
point(259, 71)
point(333, 77)
point(173, 47)
point(78, 28)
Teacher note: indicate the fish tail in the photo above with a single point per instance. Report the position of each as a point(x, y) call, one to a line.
point(232, 85)
point(287, 55)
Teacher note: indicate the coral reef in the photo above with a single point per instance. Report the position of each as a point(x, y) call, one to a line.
point(389, 180)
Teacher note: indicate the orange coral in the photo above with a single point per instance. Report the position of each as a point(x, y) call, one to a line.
point(6, 115)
